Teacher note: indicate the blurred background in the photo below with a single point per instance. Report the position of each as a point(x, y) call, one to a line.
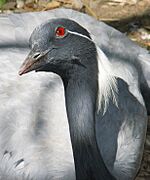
point(131, 17)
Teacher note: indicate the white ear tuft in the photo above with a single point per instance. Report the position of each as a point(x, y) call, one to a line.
point(107, 83)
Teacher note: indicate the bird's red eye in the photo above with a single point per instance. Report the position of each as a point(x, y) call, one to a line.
point(60, 32)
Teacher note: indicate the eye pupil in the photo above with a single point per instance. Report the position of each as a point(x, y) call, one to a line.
point(60, 31)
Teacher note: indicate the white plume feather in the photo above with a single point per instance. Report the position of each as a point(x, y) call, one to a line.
point(107, 83)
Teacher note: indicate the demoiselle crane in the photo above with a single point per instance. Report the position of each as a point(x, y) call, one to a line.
point(35, 141)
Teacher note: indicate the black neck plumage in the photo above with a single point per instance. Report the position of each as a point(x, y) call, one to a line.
point(81, 95)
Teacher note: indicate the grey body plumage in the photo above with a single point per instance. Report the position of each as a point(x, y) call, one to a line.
point(120, 131)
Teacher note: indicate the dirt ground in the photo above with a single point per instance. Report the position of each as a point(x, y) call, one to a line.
point(128, 17)
point(131, 17)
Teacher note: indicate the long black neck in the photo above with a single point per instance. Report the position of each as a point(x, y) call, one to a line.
point(81, 94)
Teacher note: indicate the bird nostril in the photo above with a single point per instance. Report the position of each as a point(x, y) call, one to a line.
point(35, 56)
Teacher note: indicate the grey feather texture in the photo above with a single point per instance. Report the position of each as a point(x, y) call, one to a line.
point(34, 134)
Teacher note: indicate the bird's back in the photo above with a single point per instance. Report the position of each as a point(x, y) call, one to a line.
point(34, 134)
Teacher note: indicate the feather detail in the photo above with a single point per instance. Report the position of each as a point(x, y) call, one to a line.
point(107, 83)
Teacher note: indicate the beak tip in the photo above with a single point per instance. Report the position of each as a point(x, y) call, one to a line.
point(20, 72)
point(28, 65)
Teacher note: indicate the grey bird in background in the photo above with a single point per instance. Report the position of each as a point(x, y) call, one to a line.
point(104, 83)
